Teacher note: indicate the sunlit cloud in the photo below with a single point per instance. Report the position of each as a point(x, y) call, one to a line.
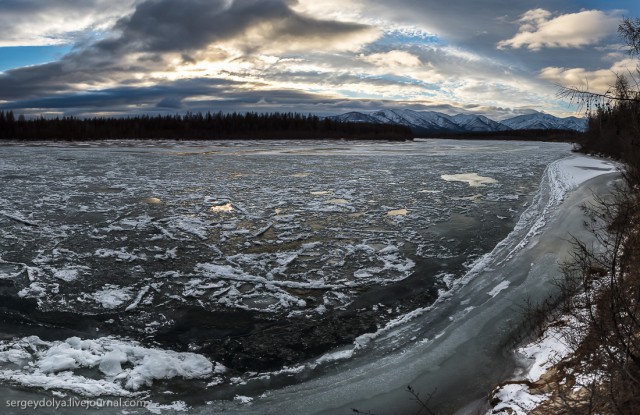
point(168, 55)
point(601, 80)
point(538, 29)
point(394, 59)
point(339, 10)
point(45, 22)
point(172, 39)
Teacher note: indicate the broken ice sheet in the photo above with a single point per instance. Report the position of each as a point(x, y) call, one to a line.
point(130, 213)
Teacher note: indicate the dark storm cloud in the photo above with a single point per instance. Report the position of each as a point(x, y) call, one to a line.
point(24, 82)
point(169, 97)
point(160, 95)
point(58, 77)
point(178, 25)
point(158, 26)
point(174, 96)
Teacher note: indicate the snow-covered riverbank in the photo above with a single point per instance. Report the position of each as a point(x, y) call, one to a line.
point(549, 365)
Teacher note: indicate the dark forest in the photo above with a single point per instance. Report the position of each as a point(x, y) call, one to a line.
point(195, 126)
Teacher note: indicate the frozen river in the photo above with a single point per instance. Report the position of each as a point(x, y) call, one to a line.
point(236, 276)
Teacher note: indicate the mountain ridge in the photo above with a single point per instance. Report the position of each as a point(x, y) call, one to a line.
point(433, 121)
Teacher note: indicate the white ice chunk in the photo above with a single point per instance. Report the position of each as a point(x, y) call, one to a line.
point(34, 290)
point(157, 364)
point(120, 255)
point(500, 287)
point(57, 364)
point(338, 201)
point(66, 381)
point(54, 364)
point(15, 356)
point(227, 207)
point(398, 212)
point(152, 200)
point(177, 406)
point(111, 296)
point(334, 356)
point(110, 364)
point(242, 399)
point(135, 302)
point(66, 274)
point(473, 179)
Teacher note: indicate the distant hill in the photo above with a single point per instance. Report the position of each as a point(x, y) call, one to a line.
point(429, 122)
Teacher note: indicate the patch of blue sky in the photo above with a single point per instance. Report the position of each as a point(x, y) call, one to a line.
point(20, 56)
point(450, 93)
point(631, 7)
point(408, 37)
point(570, 108)
point(316, 90)
point(357, 94)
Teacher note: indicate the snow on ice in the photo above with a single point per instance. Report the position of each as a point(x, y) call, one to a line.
point(31, 361)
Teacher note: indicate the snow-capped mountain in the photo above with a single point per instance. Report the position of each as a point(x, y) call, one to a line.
point(432, 121)
point(427, 119)
point(478, 123)
point(355, 117)
point(541, 121)
point(424, 120)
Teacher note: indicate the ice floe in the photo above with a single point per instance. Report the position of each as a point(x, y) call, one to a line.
point(120, 368)
point(398, 212)
point(500, 287)
point(472, 179)
point(112, 296)
point(152, 200)
point(66, 274)
point(226, 207)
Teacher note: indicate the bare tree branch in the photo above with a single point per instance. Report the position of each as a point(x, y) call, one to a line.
point(629, 31)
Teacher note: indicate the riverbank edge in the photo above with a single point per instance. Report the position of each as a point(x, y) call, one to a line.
point(548, 362)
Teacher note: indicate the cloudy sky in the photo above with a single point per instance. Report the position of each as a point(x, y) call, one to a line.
point(117, 57)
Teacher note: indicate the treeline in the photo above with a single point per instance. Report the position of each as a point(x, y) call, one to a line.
point(195, 126)
point(565, 136)
point(614, 131)
point(599, 299)
point(603, 377)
